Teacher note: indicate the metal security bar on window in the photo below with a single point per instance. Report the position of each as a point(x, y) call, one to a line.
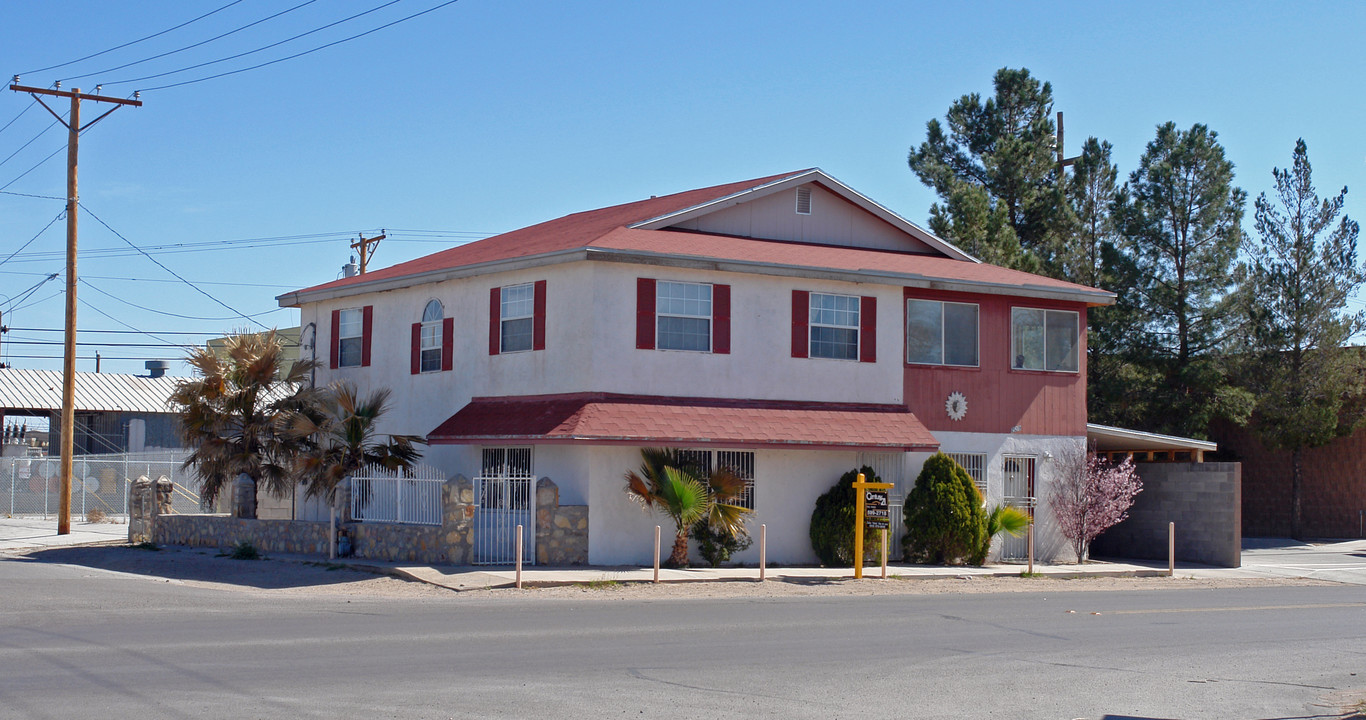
point(976, 465)
point(413, 496)
point(742, 464)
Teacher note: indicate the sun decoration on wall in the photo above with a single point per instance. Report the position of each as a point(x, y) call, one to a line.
point(956, 406)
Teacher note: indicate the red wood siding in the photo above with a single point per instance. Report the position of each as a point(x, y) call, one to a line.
point(999, 399)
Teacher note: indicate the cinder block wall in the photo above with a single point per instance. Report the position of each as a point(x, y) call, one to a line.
point(1334, 502)
point(1203, 499)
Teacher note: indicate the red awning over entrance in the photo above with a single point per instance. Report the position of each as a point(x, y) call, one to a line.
point(604, 419)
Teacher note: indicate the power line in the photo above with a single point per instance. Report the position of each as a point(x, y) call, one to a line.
point(157, 280)
point(35, 167)
point(21, 114)
point(133, 42)
point(119, 332)
point(301, 54)
point(196, 288)
point(50, 223)
point(171, 314)
point(31, 290)
point(31, 195)
point(253, 52)
point(41, 133)
point(189, 47)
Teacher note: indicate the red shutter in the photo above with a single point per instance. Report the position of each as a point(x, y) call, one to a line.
point(867, 329)
point(495, 320)
point(645, 314)
point(367, 322)
point(720, 319)
point(336, 340)
point(416, 366)
point(801, 316)
point(538, 316)
point(447, 344)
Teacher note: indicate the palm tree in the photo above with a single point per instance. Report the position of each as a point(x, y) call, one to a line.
point(1005, 520)
point(231, 414)
point(339, 437)
point(669, 483)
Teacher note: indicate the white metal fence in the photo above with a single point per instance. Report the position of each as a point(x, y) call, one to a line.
point(379, 495)
point(31, 486)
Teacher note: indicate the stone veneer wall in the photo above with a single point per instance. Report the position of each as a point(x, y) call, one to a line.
point(561, 531)
point(1203, 499)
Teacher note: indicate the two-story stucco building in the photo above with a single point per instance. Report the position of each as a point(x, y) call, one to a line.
point(787, 327)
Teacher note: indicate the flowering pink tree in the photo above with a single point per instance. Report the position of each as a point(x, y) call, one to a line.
point(1092, 495)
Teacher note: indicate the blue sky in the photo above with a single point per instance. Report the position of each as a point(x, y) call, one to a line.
point(481, 117)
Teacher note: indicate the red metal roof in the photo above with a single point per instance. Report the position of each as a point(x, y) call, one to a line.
point(606, 419)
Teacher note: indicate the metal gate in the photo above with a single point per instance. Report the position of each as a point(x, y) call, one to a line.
point(504, 497)
point(1019, 494)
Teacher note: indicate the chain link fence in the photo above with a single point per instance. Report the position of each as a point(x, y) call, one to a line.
point(31, 486)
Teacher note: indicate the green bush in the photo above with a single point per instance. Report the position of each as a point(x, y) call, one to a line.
point(244, 550)
point(832, 523)
point(945, 523)
point(717, 546)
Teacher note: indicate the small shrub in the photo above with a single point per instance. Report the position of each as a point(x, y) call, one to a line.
point(832, 523)
point(95, 515)
point(244, 550)
point(945, 523)
point(146, 545)
point(717, 546)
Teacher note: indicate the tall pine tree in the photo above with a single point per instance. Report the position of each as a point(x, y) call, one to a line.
point(1180, 215)
point(1302, 270)
point(995, 172)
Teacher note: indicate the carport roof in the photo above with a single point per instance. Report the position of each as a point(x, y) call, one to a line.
point(1112, 439)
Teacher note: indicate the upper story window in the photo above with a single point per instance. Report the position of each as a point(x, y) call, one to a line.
point(683, 315)
point(842, 327)
point(941, 333)
point(1044, 339)
point(430, 341)
point(515, 313)
point(350, 337)
point(672, 315)
point(834, 326)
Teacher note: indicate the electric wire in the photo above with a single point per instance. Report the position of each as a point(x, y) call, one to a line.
point(21, 114)
point(133, 42)
point(257, 50)
point(32, 289)
point(158, 263)
point(86, 304)
point(190, 47)
point(35, 167)
point(118, 332)
point(130, 303)
point(38, 302)
point(31, 195)
point(50, 223)
point(300, 54)
point(31, 140)
point(157, 280)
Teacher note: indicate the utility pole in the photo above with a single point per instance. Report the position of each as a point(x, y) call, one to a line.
point(1062, 164)
point(363, 246)
point(74, 128)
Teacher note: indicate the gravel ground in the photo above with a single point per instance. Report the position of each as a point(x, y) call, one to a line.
point(209, 569)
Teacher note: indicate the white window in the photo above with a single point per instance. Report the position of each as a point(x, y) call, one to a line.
point(1044, 339)
point(683, 316)
point(431, 336)
point(739, 462)
point(518, 305)
point(834, 326)
point(976, 466)
point(941, 333)
point(350, 327)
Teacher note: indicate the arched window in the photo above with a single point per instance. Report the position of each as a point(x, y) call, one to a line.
point(431, 336)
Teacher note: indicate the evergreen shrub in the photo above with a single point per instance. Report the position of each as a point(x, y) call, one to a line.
point(945, 523)
point(832, 523)
point(716, 546)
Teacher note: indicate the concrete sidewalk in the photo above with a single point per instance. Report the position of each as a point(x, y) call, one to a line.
point(22, 533)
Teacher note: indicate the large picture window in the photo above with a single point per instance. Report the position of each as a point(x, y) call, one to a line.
point(518, 304)
point(941, 333)
point(683, 315)
point(834, 326)
point(1044, 339)
point(350, 333)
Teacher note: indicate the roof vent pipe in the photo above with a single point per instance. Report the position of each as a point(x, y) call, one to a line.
point(157, 368)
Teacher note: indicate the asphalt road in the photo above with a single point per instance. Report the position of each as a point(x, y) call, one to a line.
point(84, 643)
